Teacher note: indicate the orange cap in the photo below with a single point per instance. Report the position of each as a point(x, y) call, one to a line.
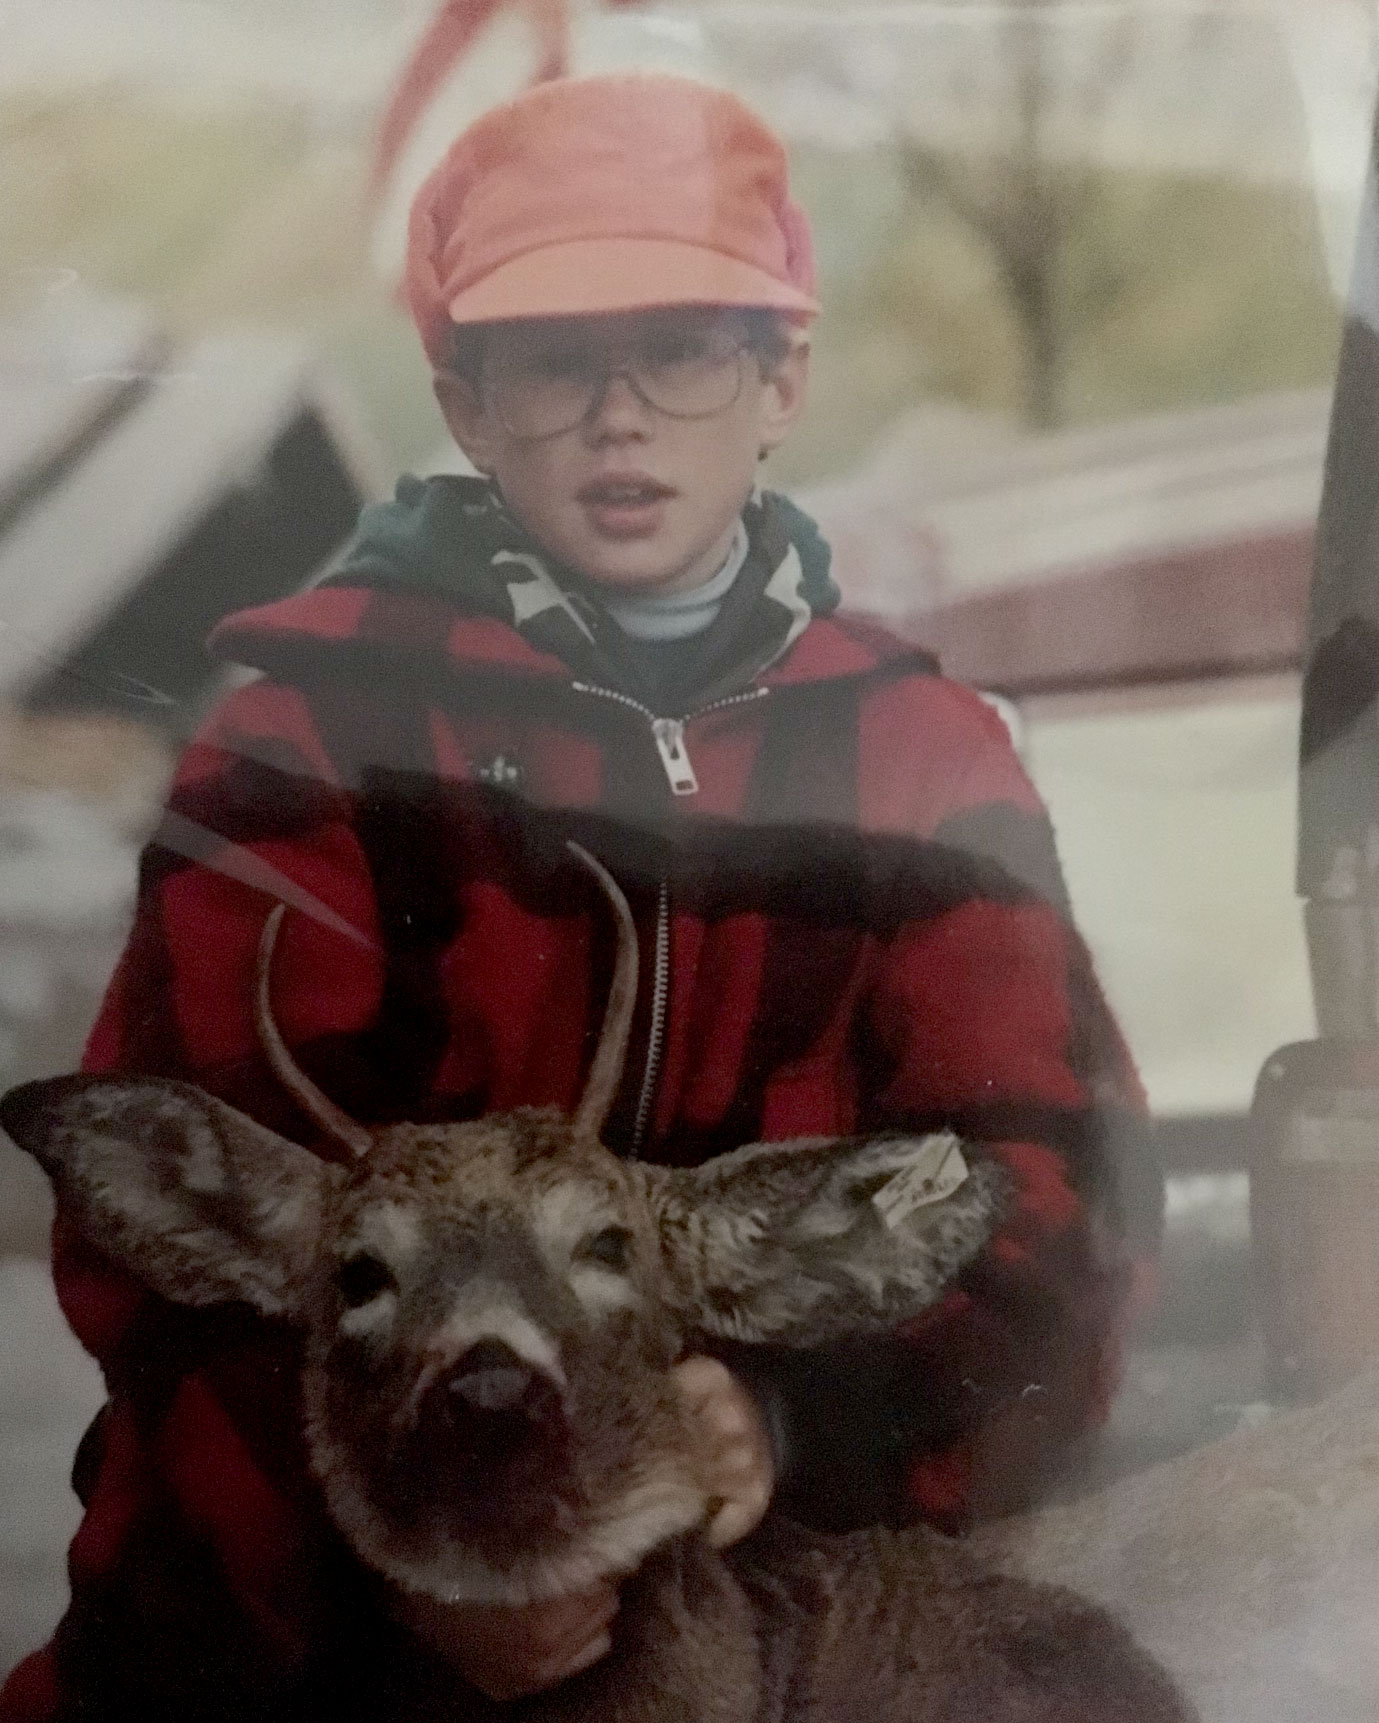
point(606, 194)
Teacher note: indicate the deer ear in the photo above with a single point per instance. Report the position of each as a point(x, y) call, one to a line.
point(808, 1241)
point(197, 1201)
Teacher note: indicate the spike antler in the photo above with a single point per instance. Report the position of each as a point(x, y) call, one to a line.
point(605, 1073)
point(332, 1119)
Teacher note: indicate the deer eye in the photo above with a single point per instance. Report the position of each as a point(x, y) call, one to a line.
point(610, 1248)
point(362, 1278)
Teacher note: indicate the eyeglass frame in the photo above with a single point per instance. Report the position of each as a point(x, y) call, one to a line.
point(741, 349)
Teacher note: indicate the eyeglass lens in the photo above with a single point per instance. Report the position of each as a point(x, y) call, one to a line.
point(553, 387)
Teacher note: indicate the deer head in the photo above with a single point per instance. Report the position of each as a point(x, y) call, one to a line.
point(491, 1309)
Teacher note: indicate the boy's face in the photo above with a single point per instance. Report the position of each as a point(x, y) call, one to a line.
point(626, 444)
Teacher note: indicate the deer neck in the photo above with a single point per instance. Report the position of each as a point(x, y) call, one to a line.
point(685, 1650)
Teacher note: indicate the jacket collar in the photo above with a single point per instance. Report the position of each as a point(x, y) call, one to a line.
point(442, 577)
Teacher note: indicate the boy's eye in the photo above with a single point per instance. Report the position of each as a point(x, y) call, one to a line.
point(362, 1278)
point(562, 364)
point(691, 350)
point(611, 1248)
point(689, 347)
point(676, 349)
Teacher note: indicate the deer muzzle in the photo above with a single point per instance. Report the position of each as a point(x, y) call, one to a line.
point(489, 1405)
point(491, 1377)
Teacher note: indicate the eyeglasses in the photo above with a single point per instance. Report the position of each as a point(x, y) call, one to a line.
point(552, 388)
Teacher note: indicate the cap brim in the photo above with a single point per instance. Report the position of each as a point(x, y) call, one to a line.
point(581, 278)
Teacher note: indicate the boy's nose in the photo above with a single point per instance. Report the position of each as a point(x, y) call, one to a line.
point(618, 410)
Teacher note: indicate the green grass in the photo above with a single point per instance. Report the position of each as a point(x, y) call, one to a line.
point(133, 198)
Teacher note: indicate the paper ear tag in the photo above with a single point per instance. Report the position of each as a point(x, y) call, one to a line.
point(935, 1173)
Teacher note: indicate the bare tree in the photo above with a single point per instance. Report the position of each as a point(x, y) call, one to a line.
point(1025, 199)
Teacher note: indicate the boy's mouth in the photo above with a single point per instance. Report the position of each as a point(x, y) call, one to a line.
point(625, 505)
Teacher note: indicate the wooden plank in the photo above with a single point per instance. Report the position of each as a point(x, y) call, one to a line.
point(929, 520)
point(1099, 508)
point(1228, 609)
point(1169, 546)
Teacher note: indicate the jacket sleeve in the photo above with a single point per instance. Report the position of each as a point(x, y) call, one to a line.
point(200, 1549)
point(985, 1016)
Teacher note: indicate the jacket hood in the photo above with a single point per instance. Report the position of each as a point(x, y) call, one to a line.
point(444, 566)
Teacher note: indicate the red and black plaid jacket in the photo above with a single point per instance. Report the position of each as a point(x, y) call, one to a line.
point(856, 922)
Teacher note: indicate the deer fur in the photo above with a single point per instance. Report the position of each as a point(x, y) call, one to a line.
point(491, 1312)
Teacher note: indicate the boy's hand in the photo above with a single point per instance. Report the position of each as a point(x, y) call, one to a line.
point(507, 1653)
point(740, 1468)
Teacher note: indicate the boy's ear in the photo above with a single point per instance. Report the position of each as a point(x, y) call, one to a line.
point(809, 1241)
point(197, 1201)
point(784, 392)
point(466, 417)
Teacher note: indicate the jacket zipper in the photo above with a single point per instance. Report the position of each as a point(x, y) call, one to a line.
point(660, 995)
point(669, 737)
point(669, 733)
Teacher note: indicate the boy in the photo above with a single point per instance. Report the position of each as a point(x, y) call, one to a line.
point(849, 905)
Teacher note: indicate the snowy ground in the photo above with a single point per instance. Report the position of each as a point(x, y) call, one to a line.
point(1177, 825)
point(67, 869)
point(49, 1392)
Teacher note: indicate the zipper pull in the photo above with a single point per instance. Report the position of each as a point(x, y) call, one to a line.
point(670, 745)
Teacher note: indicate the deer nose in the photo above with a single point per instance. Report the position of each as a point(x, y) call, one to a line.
point(490, 1377)
point(489, 1403)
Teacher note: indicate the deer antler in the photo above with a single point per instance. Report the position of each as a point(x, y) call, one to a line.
point(604, 1075)
point(606, 1072)
point(331, 1118)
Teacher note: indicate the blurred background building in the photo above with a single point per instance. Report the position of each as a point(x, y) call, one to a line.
point(1083, 268)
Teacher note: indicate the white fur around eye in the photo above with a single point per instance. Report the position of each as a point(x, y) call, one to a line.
point(368, 1321)
point(601, 1289)
point(390, 1230)
point(564, 1216)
